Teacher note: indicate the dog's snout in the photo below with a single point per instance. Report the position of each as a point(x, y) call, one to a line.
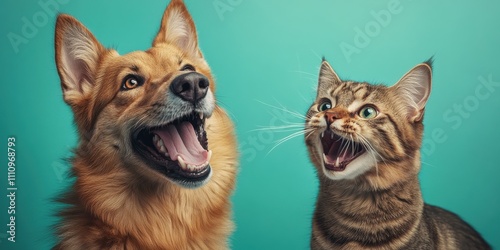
point(191, 87)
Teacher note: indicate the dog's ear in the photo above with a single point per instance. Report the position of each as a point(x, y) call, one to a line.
point(177, 27)
point(77, 56)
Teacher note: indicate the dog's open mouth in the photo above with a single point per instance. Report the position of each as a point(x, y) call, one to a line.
point(178, 149)
point(338, 151)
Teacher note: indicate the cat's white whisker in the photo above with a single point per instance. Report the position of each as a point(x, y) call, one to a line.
point(420, 160)
point(283, 128)
point(374, 151)
point(293, 113)
point(316, 55)
point(368, 144)
point(306, 100)
point(353, 145)
point(345, 147)
point(315, 76)
point(371, 151)
point(309, 133)
point(289, 137)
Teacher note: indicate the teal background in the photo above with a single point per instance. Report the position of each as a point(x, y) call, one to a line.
point(268, 53)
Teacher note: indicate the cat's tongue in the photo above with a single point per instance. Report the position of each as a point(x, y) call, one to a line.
point(181, 140)
point(337, 153)
point(336, 157)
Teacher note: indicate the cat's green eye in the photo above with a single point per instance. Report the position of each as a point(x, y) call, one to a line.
point(368, 112)
point(325, 105)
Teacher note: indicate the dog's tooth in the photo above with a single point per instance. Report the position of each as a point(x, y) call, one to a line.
point(162, 149)
point(201, 116)
point(322, 134)
point(159, 144)
point(181, 161)
point(331, 135)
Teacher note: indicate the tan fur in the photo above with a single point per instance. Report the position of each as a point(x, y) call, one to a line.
point(116, 201)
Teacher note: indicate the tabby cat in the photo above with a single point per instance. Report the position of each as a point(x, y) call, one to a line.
point(365, 142)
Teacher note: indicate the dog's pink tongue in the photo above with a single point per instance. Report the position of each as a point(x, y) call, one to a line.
point(181, 140)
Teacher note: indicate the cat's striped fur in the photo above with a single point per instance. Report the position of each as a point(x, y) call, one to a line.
point(365, 143)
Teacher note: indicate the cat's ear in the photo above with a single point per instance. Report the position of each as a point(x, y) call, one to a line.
point(77, 56)
point(414, 89)
point(327, 77)
point(177, 27)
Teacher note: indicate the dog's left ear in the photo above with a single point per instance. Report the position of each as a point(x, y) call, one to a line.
point(77, 56)
point(177, 27)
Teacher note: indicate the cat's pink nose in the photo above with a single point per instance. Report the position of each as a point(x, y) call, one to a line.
point(332, 115)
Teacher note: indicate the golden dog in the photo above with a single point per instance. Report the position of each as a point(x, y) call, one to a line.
point(156, 159)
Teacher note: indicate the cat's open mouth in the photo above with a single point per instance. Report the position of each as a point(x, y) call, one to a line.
point(338, 151)
point(178, 149)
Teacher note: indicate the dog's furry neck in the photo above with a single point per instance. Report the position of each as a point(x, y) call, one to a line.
point(114, 206)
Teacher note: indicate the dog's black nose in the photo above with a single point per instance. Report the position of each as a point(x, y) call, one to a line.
point(191, 87)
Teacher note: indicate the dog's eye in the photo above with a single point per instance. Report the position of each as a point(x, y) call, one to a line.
point(132, 82)
point(188, 67)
